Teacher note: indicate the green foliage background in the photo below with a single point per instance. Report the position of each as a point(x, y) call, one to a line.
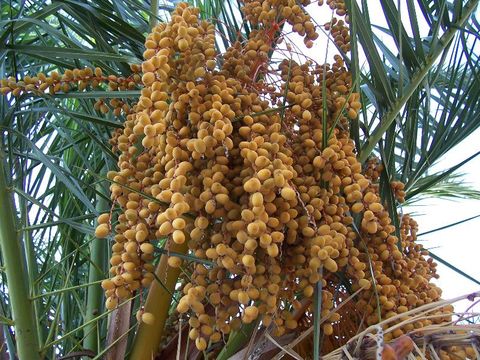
point(421, 98)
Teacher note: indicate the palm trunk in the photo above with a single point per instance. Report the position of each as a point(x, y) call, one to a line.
point(14, 261)
point(32, 269)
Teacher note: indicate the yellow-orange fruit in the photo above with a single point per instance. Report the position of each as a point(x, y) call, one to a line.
point(252, 185)
point(111, 303)
point(288, 193)
point(257, 199)
point(148, 78)
point(102, 231)
point(330, 265)
point(148, 318)
point(103, 218)
point(327, 329)
point(182, 44)
point(182, 306)
point(364, 283)
point(375, 207)
point(108, 284)
point(147, 248)
point(200, 343)
point(251, 311)
point(248, 260)
point(178, 237)
point(178, 224)
point(174, 261)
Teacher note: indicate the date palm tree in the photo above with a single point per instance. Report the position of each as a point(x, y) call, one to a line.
point(418, 76)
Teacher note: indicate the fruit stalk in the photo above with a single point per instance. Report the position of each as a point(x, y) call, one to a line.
point(95, 292)
point(153, 17)
point(158, 303)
